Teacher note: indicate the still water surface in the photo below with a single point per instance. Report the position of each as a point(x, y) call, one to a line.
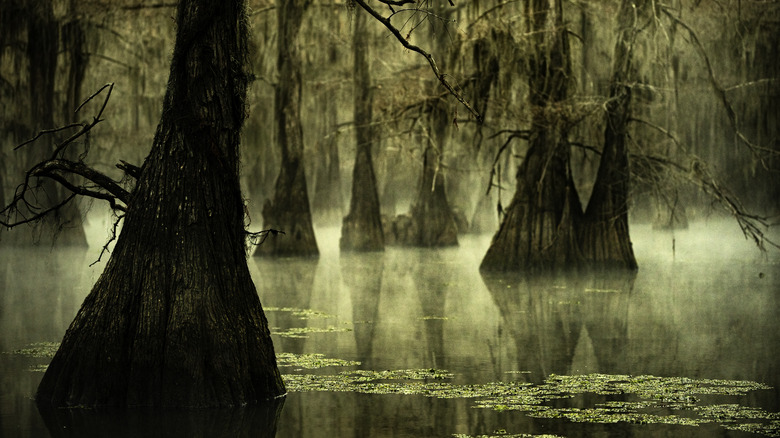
point(416, 343)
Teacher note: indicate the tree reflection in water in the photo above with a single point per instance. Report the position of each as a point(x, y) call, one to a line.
point(466, 349)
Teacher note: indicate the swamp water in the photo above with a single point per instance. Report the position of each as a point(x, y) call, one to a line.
point(416, 343)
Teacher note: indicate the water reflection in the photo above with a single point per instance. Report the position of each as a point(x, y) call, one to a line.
point(563, 323)
point(693, 314)
point(255, 421)
point(290, 282)
point(363, 274)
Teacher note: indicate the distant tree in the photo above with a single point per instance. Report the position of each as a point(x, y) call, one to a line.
point(30, 38)
point(289, 210)
point(545, 225)
point(361, 229)
point(174, 320)
point(433, 223)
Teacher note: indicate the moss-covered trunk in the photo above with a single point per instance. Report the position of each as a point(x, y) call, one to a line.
point(175, 320)
point(289, 209)
point(361, 229)
point(538, 228)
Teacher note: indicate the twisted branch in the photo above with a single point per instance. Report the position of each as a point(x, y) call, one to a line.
point(25, 206)
point(428, 57)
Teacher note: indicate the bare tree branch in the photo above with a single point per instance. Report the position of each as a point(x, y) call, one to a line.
point(257, 238)
point(758, 151)
point(130, 169)
point(110, 239)
point(696, 172)
point(26, 206)
point(428, 57)
point(49, 168)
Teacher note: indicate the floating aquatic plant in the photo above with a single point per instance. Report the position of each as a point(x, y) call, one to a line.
point(304, 332)
point(606, 291)
point(504, 434)
point(311, 361)
point(677, 393)
point(38, 349)
point(300, 313)
point(648, 394)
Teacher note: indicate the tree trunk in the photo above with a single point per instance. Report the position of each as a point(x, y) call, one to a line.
point(538, 228)
point(174, 320)
point(432, 218)
point(604, 236)
point(327, 203)
point(289, 209)
point(361, 229)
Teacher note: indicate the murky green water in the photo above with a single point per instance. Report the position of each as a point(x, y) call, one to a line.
point(415, 343)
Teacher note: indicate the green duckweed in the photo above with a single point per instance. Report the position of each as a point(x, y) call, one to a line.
point(304, 332)
point(300, 313)
point(681, 395)
point(311, 361)
point(641, 398)
point(38, 349)
point(502, 434)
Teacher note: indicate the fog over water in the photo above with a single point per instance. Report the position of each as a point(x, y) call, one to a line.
point(703, 305)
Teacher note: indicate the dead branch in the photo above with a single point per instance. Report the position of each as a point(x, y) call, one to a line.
point(257, 238)
point(758, 151)
point(513, 134)
point(428, 57)
point(52, 168)
point(113, 237)
point(130, 169)
point(696, 172)
point(398, 2)
point(25, 206)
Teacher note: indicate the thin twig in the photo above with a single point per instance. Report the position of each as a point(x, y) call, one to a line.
point(439, 75)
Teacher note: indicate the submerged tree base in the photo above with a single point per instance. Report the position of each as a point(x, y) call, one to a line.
point(174, 320)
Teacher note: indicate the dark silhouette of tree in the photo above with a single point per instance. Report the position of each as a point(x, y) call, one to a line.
point(174, 320)
point(289, 209)
point(545, 226)
point(603, 235)
point(538, 228)
point(361, 229)
point(433, 223)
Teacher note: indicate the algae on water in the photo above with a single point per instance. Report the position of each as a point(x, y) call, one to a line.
point(38, 349)
point(502, 434)
point(304, 332)
point(300, 313)
point(679, 394)
point(311, 361)
point(641, 397)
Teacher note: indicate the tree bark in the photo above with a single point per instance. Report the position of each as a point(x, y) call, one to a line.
point(361, 229)
point(289, 209)
point(538, 228)
point(174, 320)
point(604, 236)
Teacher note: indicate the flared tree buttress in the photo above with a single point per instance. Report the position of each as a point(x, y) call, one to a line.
point(175, 320)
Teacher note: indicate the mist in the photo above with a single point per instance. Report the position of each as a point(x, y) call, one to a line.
point(414, 336)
